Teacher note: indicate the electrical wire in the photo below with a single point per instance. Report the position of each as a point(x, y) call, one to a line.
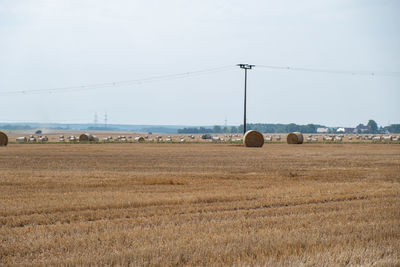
point(188, 75)
point(331, 71)
point(120, 83)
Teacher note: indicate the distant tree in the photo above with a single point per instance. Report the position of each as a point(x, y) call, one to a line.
point(233, 129)
point(360, 128)
point(261, 127)
point(372, 126)
point(291, 127)
point(204, 130)
point(393, 128)
point(16, 127)
point(217, 129)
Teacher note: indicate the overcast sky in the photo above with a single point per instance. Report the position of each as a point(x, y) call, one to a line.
point(51, 44)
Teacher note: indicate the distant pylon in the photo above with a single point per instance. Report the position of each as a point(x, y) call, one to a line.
point(105, 120)
point(226, 124)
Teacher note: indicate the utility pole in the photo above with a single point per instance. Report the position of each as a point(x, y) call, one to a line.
point(245, 67)
point(95, 119)
point(105, 120)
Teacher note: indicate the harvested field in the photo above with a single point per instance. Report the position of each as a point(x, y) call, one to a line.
point(204, 204)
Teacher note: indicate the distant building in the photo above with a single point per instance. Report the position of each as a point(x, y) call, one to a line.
point(346, 130)
point(362, 129)
point(322, 130)
point(350, 130)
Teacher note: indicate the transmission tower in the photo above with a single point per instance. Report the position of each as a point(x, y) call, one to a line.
point(226, 124)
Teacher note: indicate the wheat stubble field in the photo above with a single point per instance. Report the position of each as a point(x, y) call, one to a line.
point(200, 204)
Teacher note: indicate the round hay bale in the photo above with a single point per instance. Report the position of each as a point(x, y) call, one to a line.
point(86, 137)
point(3, 139)
point(295, 138)
point(139, 139)
point(253, 139)
point(22, 139)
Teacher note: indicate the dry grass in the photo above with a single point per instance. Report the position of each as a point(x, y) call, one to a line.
point(200, 205)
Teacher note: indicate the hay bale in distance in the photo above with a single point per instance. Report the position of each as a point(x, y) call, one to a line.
point(295, 138)
point(32, 139)
point(22, 139)
point(387, 138)
point(86, 137)
point(139, 139)
point(3, 139)
point(253, 139)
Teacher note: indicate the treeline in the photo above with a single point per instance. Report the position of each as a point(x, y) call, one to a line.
point(15, 127)
point(393, 128)
point(261, 127)
point(284, 128)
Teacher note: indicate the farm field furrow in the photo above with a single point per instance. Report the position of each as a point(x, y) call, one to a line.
point(200, 204)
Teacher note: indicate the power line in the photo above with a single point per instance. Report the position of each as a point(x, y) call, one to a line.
point(120, 83)
point(188, 75)
point(333, 71)
point(69, 121)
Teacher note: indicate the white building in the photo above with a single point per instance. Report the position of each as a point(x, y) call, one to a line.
point(322, 130)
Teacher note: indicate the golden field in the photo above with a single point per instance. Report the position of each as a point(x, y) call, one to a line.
point(200, 204)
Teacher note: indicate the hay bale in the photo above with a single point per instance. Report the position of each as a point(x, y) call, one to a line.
point(215, 139)
point(253, 139)
point(387, 138)
point(22, 139)
point(295, 138)
point(86, 137)
point(43, 139)
point(139, 139)
point(32, 139)
point(3, 139)
point(376, 139)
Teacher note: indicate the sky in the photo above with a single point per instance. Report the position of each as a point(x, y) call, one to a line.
point(73, 43)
